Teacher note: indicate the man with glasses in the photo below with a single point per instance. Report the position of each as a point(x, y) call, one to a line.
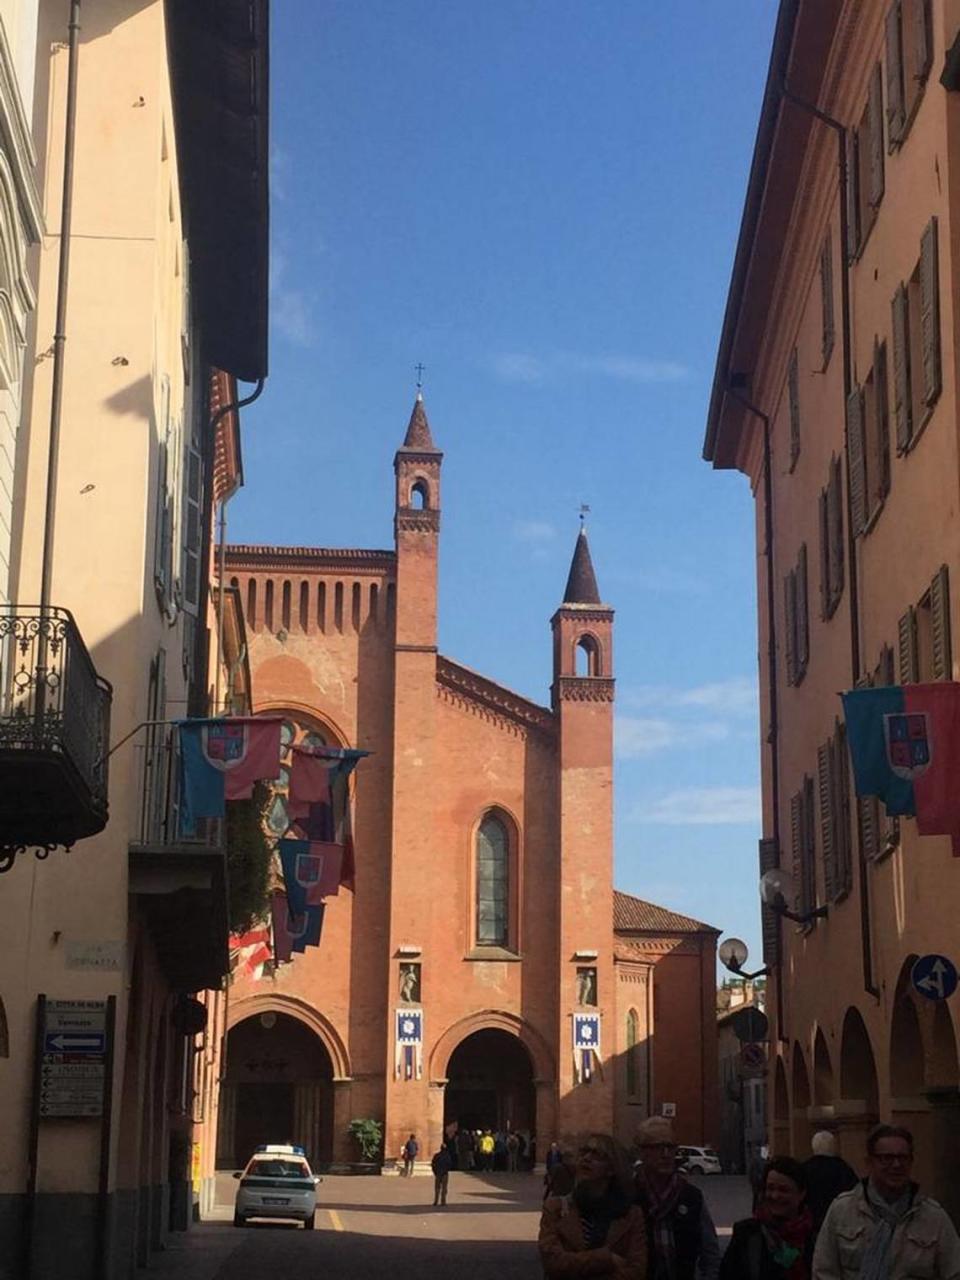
point(681, 1237)
point(885, 1229)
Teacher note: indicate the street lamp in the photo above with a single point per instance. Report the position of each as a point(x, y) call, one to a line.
point(733, 955)
point(778, 889)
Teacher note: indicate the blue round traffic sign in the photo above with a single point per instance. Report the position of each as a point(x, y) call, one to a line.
point(934, 977)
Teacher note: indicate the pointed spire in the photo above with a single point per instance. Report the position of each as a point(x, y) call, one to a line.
point(418, 431)
point(582, 581)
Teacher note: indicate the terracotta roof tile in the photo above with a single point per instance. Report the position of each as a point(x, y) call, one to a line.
point(632, 914)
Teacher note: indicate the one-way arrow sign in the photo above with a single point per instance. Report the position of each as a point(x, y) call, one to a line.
point(934, 977)
point(75, 1042)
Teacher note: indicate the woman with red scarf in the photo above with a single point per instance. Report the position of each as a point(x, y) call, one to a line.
point(777, 1242)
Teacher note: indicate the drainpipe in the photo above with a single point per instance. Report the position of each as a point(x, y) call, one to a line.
point(866, 944)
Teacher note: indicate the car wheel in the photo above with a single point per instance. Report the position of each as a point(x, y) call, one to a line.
point(239, 1220)
point(696, 1168)
point(308, 1223)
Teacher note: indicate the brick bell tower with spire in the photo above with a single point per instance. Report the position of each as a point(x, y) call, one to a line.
point(413, 839)
point(582, 697)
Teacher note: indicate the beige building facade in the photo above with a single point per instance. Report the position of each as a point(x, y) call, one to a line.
point(836, 394)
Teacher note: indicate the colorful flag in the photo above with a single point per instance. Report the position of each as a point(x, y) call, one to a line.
point(306, 927)
point(311, 871)
point(250, 951)
point(310, 776)
point(282, 934)
point(221, 760)
point(328, 817)
point(905, 745)
point(408, 1044)
point(586, 1046)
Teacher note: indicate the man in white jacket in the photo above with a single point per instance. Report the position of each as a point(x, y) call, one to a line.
point(884, 1229)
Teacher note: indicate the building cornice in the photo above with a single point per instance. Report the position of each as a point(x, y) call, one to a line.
point(475, 693)
point(420, 457)
point(584, 613)
point(260, 558)
point(583, 689)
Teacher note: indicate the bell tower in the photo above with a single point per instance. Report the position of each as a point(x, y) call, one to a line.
point(582, 697)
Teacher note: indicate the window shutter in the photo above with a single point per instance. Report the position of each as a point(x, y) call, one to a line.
point(922, 42)
point(803, 614)
point(790, 624)
point(826, 298)
point(901, 370)
point(857, 460)
point(882, 409)
point(875, 115)
point(770, 921)
point(835, 514)
point(940, 625)
point(907, 635)
point(826, 820)
point(895, 110)
point(930, 312)
point(841, 809)
point(192, 530)
point(796, 844)
point(793, 386)
point(886, 675)
point(824, 555)
point(853, 196)
point(159, 560)
point(809, 892)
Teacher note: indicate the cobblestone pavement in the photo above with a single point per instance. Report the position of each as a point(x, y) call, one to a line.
point(387, 1229)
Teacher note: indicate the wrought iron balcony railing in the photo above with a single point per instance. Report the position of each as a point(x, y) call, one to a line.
point(54, 733)
point(158, 823)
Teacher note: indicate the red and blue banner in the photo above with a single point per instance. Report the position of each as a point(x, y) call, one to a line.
point(311, 871)
point(221, 760)
point(306, 927)
point(905, 745)
point(320, 799)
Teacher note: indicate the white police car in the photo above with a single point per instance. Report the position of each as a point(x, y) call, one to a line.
point(277, 1183)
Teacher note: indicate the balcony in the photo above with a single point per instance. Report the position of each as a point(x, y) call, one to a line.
point(54, 734)
point(179, 881)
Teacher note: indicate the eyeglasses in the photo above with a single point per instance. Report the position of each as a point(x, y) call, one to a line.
point(658, 1146)
point(893, 1157)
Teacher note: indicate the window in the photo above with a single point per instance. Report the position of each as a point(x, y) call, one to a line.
point(826, 297)
point(793, 394)
point(868, 432)
point(803, 840)
point(322, 822)
point(588, 656)
point(879, 834)
point(909, 55)
point(831, 541)
point(797, 620)
point(833, 775)
point(633, 1038)
point(493, 883)
point(420, 496)
point(916, 343)
point(925, 647)
point(865, 177)
point(155, 755)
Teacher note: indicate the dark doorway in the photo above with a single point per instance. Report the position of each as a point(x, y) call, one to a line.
point(490, 1083)
point(278, 1088)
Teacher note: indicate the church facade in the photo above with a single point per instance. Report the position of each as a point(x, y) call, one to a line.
point(483, 971)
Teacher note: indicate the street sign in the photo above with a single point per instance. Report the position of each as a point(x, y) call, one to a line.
point(753, 1060)
point(750, 1025)
point(934, 977)
point(73, 1058)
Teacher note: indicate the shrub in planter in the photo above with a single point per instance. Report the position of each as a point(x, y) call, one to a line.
point(368, 1135)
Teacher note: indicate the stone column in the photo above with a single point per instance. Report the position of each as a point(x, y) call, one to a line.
point(344, 1149)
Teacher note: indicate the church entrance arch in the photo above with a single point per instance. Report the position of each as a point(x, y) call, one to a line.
point(278, 1088)
point(490, 1084)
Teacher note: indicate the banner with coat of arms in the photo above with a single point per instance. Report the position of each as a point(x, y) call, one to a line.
point(586, 1046)
point(408, 1057)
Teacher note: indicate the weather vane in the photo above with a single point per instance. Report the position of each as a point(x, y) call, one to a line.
point(420, 368)
point(584, 512)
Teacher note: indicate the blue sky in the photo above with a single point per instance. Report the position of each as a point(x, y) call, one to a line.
point(539, 199)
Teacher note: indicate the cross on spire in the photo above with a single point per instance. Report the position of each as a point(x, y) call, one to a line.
point(584, 512)
point(419, 368)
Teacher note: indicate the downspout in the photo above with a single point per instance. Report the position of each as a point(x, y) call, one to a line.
point(866, 931)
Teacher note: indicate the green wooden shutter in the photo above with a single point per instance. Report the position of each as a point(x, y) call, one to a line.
point(901, 370)
point(825, 780)
point(940, 625)
point(922, 40)
point(809, 894)
point(841, 808)
point(886, 674)
point(907, 640)
point(930, 312)
point(793, 391)
point(770, 921)
point(803, 614)
point(826, 298)
point(882, 410)
point(875, 129)
point(895, 108)
point(853, 196)
point(192, 529)
point(790, 624)
point(857, 460)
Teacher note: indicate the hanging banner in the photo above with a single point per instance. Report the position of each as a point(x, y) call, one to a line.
point(586, 1046)
point(408, 1057)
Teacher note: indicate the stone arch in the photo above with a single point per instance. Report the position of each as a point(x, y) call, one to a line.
point(858, 1067)
point(588, 653)
point(824, 1083)
point(322, 1027)
point(306, 715)
point(419, 498)
point(906, 1039)
point(544, 1068)
point(801, 1103)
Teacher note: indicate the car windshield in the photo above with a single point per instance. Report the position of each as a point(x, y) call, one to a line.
point(277, 1169)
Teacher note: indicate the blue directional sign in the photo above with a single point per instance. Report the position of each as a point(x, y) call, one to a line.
point(934, 977)
point(75, 1042)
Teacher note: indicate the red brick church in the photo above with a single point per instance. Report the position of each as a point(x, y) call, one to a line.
point(484, 970)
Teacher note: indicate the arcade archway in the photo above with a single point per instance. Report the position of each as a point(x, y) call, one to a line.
point(278, 1088)
point(490, 1083)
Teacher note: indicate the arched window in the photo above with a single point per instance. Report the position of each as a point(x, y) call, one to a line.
point(493, 884)
point(420, 496)
point(588, 656)
point(633, 1039)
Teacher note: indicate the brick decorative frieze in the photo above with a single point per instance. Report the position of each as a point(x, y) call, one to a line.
point(583, 689)
point(421, 457)
point(664, 946)
point(258, 559)
point(417, 520)
point(462, 687)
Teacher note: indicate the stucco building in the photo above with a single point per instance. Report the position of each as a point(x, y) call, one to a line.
point(836, 395)
point(484, 894)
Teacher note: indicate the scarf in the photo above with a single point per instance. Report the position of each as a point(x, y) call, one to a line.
point(597, 1212)
point(660, 1203)
point(787, 1241)
point(887, 1215)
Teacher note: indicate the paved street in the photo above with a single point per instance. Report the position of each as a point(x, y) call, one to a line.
point(380, 1226)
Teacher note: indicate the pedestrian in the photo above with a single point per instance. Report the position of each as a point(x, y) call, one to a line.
point(499, 1151)
point(596, 1230)
point(777, 1242)
point(513, 1152)
point(827, 1176)
point(487, 1145)
point(681, 1237)
point(440, 1164)
point(411, 1149)
point(465, 1149)
point(885, 1229)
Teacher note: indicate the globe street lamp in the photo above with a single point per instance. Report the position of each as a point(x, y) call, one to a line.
point(778, 890)
point(733, 955)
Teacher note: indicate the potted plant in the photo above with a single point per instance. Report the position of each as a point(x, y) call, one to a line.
point(368, 1135)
